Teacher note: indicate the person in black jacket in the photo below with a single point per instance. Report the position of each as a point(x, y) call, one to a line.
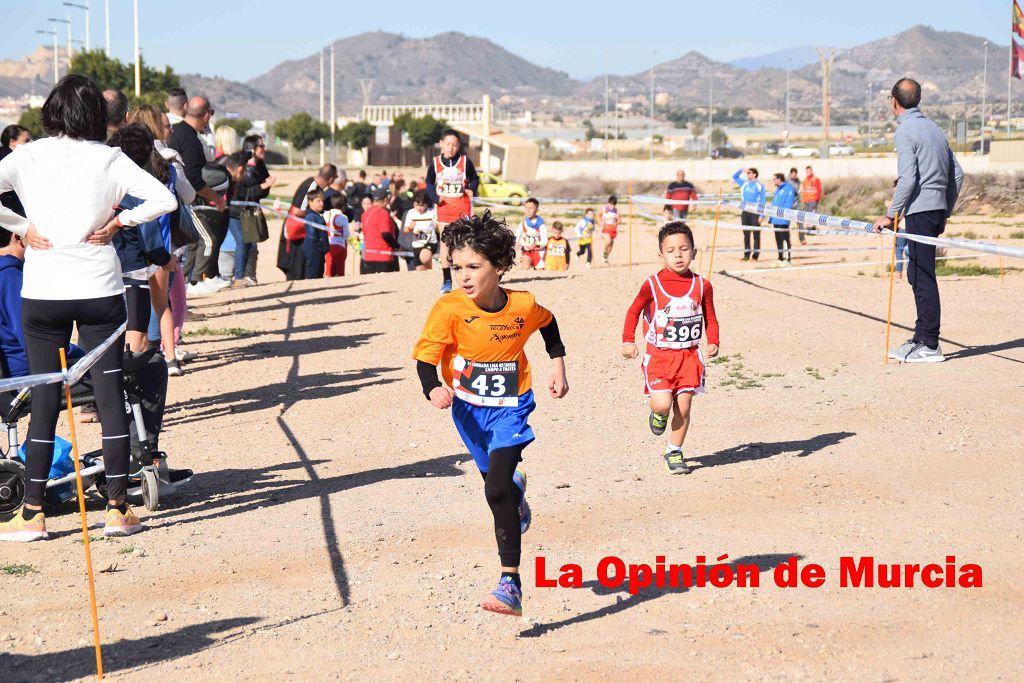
point(254, 186)
point(290, 258)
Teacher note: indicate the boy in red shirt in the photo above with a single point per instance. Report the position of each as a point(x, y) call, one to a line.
point(677, 307)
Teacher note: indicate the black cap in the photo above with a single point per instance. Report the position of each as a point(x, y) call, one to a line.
point(380, 193)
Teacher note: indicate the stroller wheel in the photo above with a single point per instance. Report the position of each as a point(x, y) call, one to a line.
point(150, 489)
point(12, 485)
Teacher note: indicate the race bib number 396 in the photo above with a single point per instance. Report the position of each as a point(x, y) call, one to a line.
point(688, 329)
point(482, 383)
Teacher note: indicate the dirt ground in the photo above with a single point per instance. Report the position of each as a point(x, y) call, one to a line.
point(336, 527)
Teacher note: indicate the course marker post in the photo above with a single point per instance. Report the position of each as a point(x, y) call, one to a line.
point(85, 524)
point(714, 236)
point(892, 278)
point(1001, 271)
point(630, 225)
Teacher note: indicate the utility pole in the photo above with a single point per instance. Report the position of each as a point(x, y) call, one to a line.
point(867, 115)
point(711, 110)
point(984, 93)
point(322, 157)
point(87, 22)
point(138, 54)
point(56, 67)
point(68, 22)
point(787, 103)
point(1009, 79)
point(616, 113)
point(826, 91)
point(606, 105)
point(334, 116)
point(653, 53)
point(106, 13)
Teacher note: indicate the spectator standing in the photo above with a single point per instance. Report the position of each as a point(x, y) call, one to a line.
point(926, 192)
point(176, 102)
point(255, 186)
point(290, 258)
point(794, 180)
point(810, 195)
point(751, 191)
point(117, 109)
point(72, 276)
point(379, 237)
point(681, 190)
point(12, 137)
point(784, 198)
point(337, 236)
point(315, 246)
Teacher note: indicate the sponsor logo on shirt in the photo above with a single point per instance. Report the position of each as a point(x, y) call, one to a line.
point(471, 319)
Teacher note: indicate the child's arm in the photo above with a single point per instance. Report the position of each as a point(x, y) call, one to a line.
point(438, 394)
point(642, 300)
point(710, 319)
point(429, 350)
point(558, 385)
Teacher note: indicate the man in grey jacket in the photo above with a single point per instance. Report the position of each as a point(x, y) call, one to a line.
point(929, 183)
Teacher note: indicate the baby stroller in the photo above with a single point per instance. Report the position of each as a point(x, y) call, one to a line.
point(149, 477)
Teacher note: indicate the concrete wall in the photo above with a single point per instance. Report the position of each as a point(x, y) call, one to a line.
point(1008, 151)
point(722, 169)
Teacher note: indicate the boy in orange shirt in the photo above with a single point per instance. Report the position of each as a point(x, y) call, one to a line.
point(677, 306)
point(477, 335)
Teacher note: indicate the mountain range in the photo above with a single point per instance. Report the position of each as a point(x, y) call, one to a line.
point(420, 70)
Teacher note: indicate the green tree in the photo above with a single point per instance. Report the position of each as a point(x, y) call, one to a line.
point(33, 120)
point(718, 137)
point(301, 130)
point(107, 72)
point(357, 134)
point(241, 126)
point(424, 131)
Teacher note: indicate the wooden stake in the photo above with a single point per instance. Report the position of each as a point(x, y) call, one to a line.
point(714, 236)
point(630, 225)
point(892, 278)
point(85, 524)
point(1000, 270)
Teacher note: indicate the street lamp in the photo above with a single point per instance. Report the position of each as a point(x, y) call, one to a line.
point(984, 92)
point(56, 69)
point(138, 55)
point(867, 117)
point(68, 22)
point(653, 53)
point(86, 8)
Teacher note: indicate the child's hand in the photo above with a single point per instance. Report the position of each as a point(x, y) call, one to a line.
point(629, 351)
point(441, 397)
point(712, 350)
point(557, 383)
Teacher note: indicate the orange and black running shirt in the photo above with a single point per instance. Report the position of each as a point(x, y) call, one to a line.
point(481, 353)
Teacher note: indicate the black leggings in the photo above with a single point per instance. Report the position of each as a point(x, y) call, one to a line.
point(503, 497)
point(588, 250)
point(47, 325)
point(139, 302)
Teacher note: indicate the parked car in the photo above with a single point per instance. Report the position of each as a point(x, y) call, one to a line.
point(726, 153)
point(840, 151)
point(771, 147)
point(493, 187)
point(798, 151)
point(978, 148)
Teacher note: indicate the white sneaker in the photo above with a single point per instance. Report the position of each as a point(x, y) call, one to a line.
point(183, 356)
point(218, 282)
point(900, 353)
point(199, 289)
point(923, 354)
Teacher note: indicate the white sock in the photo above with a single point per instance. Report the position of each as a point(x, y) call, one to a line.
point(670, 448)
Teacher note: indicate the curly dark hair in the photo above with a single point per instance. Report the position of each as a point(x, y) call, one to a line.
point(486, 235)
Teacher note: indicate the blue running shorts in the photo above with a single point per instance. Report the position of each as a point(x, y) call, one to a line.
point(485, 429)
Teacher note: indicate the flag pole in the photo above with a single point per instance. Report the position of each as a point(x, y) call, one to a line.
point(1009, 75)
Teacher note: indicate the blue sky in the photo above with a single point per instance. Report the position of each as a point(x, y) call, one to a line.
point(218, 38)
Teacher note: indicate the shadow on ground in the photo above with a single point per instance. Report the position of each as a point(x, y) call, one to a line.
point(801, 448)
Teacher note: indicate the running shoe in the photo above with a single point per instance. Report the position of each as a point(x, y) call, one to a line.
point(525, 517)
point(239, 283)
point(676, 463)
point(901, 352)
point(183, 356)
point(118, 524)
point(174, 368)
point(217, 283)
point(446, 286)
point(923, 354)
point(658, 423)
point(18, 530)
point(199, 290)
point(507, 598)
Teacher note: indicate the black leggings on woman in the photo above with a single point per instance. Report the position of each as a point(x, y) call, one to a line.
point(47, 325)
point(503, 496)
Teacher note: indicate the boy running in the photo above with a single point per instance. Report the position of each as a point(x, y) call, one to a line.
point(610, 225)
point(556, 250)
point(677, 306)
point(585, 232)
point(477, 335)
point(531, 237)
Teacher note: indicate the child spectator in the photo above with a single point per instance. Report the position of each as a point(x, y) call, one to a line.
point(421, 223)
point(337, 236)
point(315, 246)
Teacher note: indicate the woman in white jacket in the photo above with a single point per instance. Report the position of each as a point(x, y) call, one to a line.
point(73, 276)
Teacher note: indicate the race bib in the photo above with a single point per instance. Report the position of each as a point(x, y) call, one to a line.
point(451, 189)
point(682, 330)
point(529, 240)
point(557, 250)
point(492, 384)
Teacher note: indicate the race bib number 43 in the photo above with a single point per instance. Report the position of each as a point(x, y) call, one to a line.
point(481, 383)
